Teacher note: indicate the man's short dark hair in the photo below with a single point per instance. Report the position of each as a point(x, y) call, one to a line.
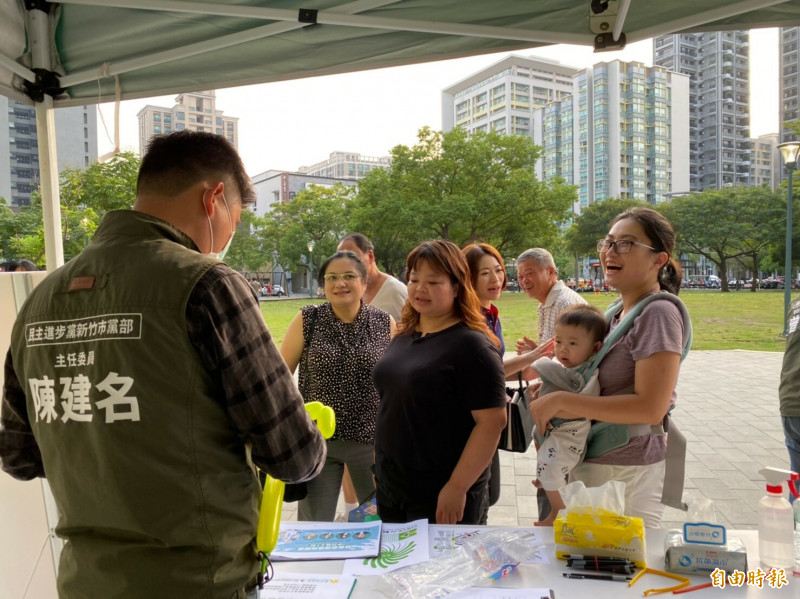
point(177, 161)
point(360, 240)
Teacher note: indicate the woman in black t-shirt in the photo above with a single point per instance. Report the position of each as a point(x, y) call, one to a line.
point(443, 398)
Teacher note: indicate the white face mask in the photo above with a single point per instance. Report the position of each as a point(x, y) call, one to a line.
point(221, 254)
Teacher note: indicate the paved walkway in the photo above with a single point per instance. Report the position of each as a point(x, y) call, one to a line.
point(728, 410)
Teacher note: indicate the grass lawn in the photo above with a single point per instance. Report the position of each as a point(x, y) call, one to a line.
point(734, 320)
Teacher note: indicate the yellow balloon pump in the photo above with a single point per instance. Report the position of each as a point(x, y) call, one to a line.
point(269, 518)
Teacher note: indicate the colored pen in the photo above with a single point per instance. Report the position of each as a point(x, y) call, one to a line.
point(592, 557)
point(614, 562)
point(601, 568)
point(617, 577)
point(598, 565)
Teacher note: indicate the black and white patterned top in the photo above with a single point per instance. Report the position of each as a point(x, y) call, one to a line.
point(337, 363)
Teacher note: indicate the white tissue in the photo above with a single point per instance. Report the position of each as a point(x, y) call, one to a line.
point(609, 496)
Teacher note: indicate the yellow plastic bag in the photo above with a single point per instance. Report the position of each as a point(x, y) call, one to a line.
point(592, 523)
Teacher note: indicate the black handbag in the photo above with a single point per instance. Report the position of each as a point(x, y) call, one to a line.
point(517, 434)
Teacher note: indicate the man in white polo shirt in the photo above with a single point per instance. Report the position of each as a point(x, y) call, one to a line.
point(538, 278)
point(383, 291)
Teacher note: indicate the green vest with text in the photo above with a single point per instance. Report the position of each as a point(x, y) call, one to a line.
point(789, 389)
point(155, 491)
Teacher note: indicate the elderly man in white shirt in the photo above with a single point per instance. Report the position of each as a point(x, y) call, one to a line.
point(538, 278)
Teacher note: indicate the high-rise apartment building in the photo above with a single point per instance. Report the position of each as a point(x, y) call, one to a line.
point(346, 165)
point(719, 123)
point(76, 144)
point(504, 96)
point(789, 87)
point(766, 164)
point(616, 129)
point(621, 134)
point(195, 111)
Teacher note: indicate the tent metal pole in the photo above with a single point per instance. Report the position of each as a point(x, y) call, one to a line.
point(126, 66)
point(226, 10)
point(48, 173)
point(624, 5)
point(15, 67)
point(39, 39)
point(134, 64)
point(697, 19)
point(325, 17)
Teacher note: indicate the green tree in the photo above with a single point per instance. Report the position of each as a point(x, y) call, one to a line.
point(390, 224)
point(103, 186)
point(86, 195)
point(724, 224)
point(777, 256)
point(462, 187)
point(316, 214)
point(764, 210)
point(592, 224)
point(249, 250)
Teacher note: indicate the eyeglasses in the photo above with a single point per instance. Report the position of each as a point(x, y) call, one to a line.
point(621, 246)
point(345, 276)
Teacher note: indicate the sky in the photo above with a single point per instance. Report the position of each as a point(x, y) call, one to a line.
point(286, 125)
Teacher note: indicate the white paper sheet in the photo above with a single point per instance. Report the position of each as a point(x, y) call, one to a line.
point(444, 538)
point(327, 540)
point(288, 585)
point(486, 593)
point(401, 545)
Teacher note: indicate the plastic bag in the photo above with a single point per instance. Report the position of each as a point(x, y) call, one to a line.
point(481, 557)
point(594, 522)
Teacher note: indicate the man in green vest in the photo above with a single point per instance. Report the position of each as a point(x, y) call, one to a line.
point(143, 383)
point(789, 390)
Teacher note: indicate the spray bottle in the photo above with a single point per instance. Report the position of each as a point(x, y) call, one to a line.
point(776, 521)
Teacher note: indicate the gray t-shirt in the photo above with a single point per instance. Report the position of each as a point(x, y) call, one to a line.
point(658, 328)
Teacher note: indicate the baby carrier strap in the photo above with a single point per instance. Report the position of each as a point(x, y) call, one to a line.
point(588, 368)
point(605, 436)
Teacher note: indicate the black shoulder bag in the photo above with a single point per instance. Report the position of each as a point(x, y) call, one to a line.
point(517, 434)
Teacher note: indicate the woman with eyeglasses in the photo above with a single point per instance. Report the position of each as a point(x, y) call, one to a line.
point(638, 375)
point(336, 345)
point(443, 397)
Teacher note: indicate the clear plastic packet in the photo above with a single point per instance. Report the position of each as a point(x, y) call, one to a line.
point(481, 557)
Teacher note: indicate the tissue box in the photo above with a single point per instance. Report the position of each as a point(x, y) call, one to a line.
point(607, 535)
point(696, 558)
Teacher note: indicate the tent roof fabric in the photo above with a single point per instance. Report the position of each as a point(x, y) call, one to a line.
point(158, 47)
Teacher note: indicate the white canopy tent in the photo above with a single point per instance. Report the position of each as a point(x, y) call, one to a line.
point(80, 52)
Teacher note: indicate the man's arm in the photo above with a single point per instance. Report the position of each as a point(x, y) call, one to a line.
point(19, 451)
point(229, 334)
